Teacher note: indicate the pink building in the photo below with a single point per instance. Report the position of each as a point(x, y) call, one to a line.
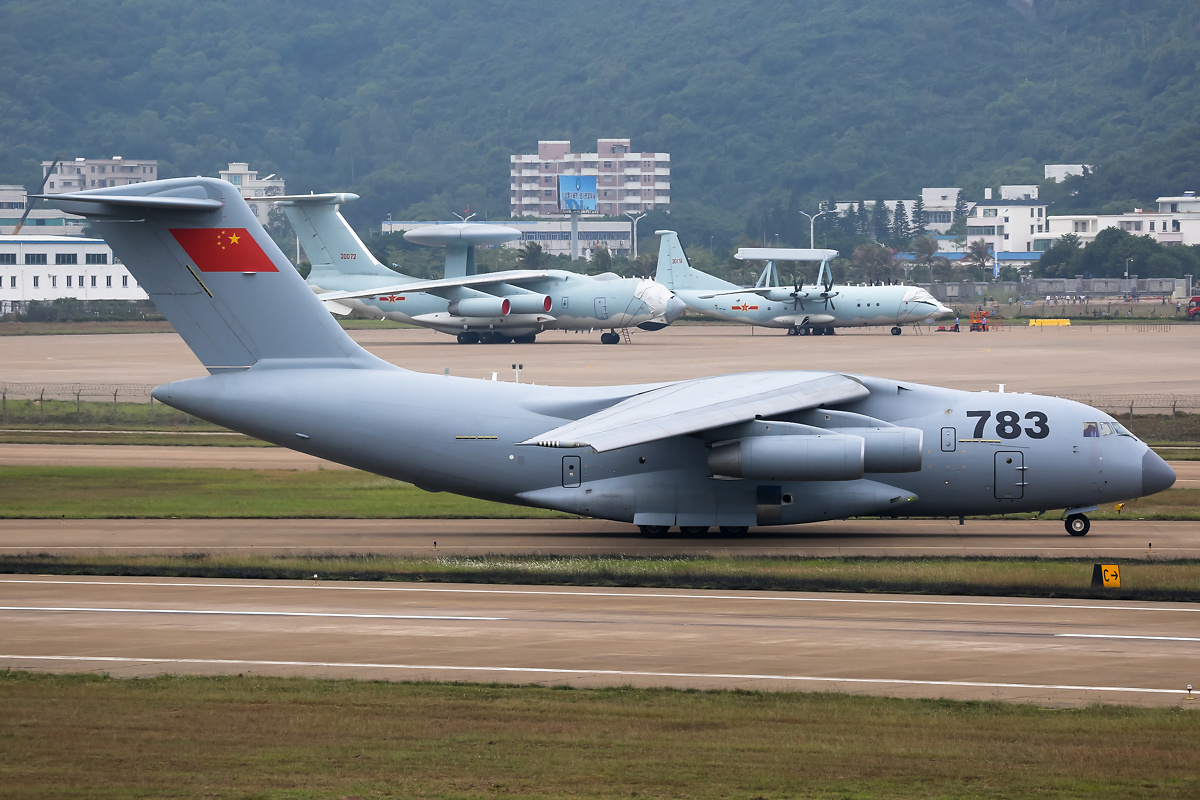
point(625, 180)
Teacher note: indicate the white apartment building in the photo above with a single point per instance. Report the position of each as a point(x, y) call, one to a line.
point(1177, 221)
point(554, 235)
point(626, 181)
point(37, 267)
point(1012, 224)
point(252, 186)
point(94, 173)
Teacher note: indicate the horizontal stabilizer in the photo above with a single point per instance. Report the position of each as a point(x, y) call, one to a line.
point(115, 205)
point(697, 405)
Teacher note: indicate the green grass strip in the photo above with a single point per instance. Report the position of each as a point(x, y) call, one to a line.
point(83, 736)
point(1174, 580)
point(158, 493)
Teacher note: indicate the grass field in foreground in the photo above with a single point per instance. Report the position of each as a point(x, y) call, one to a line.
point(1174, 580)
point(86, 736)
point(153, 492)
point(180, 492)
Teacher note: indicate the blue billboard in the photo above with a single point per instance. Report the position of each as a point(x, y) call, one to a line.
point(577, 193)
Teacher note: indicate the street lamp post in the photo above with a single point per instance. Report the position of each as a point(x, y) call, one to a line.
point(811, 228)
point(634, 216)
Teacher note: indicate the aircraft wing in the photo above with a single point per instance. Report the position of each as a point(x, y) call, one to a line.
point(432, 287)
point(697, 405)
point(762, 291)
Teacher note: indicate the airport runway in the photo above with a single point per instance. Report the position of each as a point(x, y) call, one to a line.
point(867, 537)
point(1116, 359)
point(1049, 652)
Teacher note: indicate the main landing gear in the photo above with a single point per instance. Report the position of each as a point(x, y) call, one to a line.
point(610, 338)
point(896, 331)
point(693, 530)
point(1078, 525)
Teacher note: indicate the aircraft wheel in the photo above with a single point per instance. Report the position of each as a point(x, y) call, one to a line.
point(896, 331)
point(500, 338)
point(654, 530)
point(609, 338)
point(735, 530)
point(528, 338)
point(468, 337)
point(693, 530)
point(793, 331)
point(1078, 525)
point(487, 338)
point(805, 332)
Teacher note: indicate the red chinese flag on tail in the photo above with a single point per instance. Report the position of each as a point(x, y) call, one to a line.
point(223, 250)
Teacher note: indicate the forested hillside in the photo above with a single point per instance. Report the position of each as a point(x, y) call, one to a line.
point(763, 104)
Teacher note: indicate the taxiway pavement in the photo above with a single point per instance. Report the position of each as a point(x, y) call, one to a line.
point(868, 537)
point(1049, 652)
point(1080, 360)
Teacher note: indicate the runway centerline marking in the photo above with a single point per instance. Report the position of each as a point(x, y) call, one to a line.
point(586, 672)
point(617, 594)
point(220, 612)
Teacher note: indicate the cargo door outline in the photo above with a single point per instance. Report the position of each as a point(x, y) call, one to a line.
point(1010, 480)
point(572, 473)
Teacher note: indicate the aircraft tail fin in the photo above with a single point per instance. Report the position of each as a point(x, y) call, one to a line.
point(199, 252)
point(330, 243)
point(674, 272)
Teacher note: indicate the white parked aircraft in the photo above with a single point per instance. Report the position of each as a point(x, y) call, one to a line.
point(496, 307)
point(816, 309)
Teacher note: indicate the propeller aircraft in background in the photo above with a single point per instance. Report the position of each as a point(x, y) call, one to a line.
point(817, 309)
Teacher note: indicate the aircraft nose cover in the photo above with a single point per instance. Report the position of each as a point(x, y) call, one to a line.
point(675, 309)
point(1157, 475)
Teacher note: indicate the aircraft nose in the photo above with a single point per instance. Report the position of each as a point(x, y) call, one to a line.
point(1157, 475)
point(675, 309)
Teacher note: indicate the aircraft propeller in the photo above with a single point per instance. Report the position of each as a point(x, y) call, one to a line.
point(797, 294)
point(828, 294)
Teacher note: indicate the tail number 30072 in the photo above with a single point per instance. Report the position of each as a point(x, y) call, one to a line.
point(1008, 424)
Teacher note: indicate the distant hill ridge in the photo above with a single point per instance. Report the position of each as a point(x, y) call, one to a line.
point(417, 105)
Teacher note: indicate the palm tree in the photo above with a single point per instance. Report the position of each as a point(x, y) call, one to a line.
point(978, 253)
point(532, 256)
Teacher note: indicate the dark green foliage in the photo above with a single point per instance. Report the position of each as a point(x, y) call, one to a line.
point(417, 106)
point(1113, 252)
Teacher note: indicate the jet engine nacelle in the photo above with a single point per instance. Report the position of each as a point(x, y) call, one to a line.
point(481, 307)
point(833, 457)
point(889, 449)
point(530, 303)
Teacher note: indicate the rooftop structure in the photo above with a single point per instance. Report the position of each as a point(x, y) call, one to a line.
point(251, 186)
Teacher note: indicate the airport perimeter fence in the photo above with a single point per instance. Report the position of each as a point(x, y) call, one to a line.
point(40, 404)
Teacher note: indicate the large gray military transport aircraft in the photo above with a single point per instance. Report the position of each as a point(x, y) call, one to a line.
point(496, 307)
point(766, 448)
point(817, 309)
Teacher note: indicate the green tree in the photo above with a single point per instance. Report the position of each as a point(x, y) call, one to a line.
point(918, 218)
point(532, 256)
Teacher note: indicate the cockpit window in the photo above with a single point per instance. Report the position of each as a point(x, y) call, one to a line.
point(1122, 430)
point(1091, 429)
point(1106, 429)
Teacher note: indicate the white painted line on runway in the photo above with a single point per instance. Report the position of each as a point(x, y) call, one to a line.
point(1117, 636)
point(778, 598)
point(586, 672)
point(69, 609)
